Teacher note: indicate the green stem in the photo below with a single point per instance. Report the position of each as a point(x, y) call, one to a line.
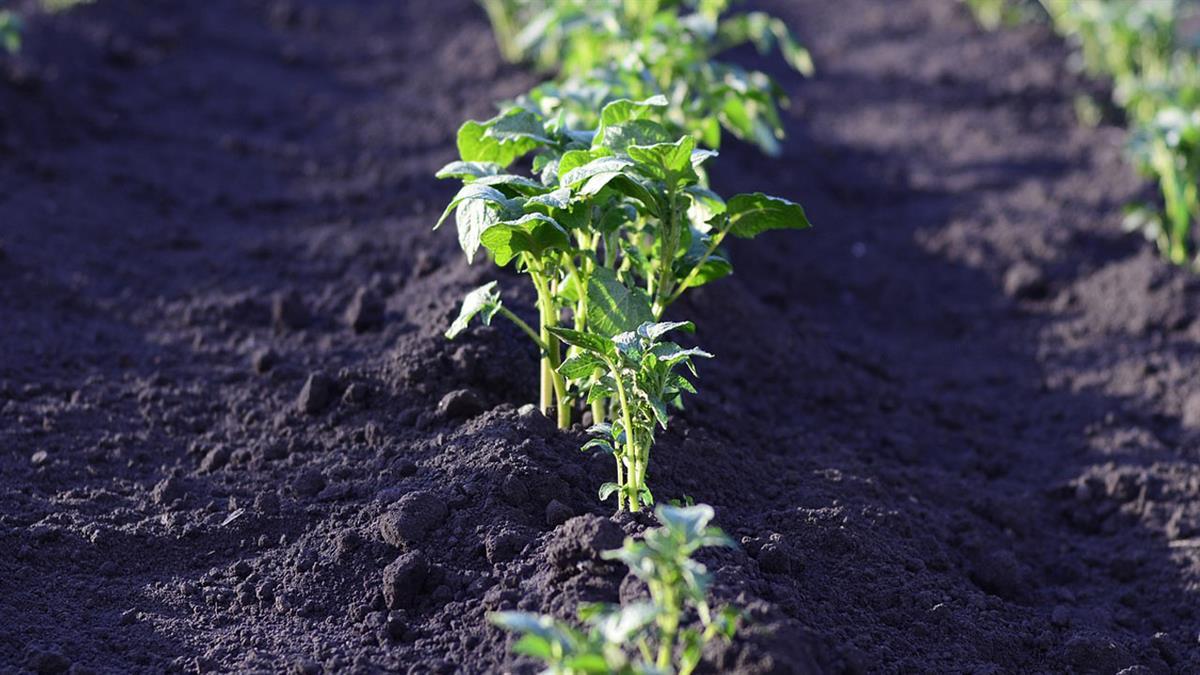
point(598, 409)
point(687, 281)
point(553, 387)
point(630, 450)
point(669, 628)
point(505, 30)
point(669, 243)
point(526, 328)
point(621, 482)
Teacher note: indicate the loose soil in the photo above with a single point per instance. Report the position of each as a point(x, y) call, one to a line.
point(956, 427)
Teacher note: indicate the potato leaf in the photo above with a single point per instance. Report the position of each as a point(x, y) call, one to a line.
point(653, 331)
point(581, 366)
point(603, 166)
point(513, 184)
point(468, 171)
point(483, 301)
point(664, 161)
point(477, 143)
point(613, 307)
point(634, 132)
point(533, 233)
point(587, 341)
point(753, 213)
point(573, 159)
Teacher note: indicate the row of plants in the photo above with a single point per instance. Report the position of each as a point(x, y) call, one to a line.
point(593, 186)
point(1154, 64)
point(600, 198)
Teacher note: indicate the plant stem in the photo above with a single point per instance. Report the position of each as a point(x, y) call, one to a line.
point(670, 241)
point(598, 411)
point(504, 311)
point(630, 442)
point(668, 625)
point(621, 482)
point(505, 31)
point(687, 281)
point(552, 386)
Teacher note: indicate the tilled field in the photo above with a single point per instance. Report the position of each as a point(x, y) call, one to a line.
point(955, 426)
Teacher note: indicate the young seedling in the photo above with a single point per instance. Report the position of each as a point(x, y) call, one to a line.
point(639, 373)
point(665, 635)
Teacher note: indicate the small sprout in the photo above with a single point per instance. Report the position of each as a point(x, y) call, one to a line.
point(665, 635)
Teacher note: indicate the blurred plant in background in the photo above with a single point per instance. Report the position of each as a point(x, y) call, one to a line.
point(1150, 50)
point(10, 31)
point(606, 50)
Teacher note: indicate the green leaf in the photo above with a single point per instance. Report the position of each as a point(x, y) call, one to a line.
point(682, 383)
point(471, 191)
point(533, 624)
point(534, 645)
point(635, 188)
point(629, 343)
point(580, 366)
point(602, 389)
point(623, 110)
point(671, 353)
point(705, 206)
point(599, 443)
point(688, 520)
point(476, 144)
point(573, 159)
point(646, 496)
point(519, 125)
point(485, 300)
point(653, 331)
point(614, 308)
point(743, 117)
point(587, 341)
point(468, 171)
point(587, 664)
point(604, 166)
point(660, 410)
point(607, 490)
point(665, 161)
point(621, 626)
point(635, 132)
point(533, 233)
point(519, 185)
point(753, 213)
point(476, 208)
point(601, 429)
point(558, 199)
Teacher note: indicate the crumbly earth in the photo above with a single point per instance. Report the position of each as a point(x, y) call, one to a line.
point(956, 427)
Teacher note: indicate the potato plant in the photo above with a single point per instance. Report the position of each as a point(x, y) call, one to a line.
point(663, 635)
point(1155, 71)
point(611, 226)
point(1168, 149)
point(638, 371)
point(610, 49)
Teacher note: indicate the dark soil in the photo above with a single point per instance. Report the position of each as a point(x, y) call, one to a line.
point(956, 427)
